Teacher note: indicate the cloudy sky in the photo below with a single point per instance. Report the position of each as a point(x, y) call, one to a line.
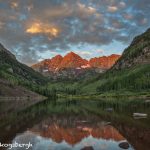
point(37, 29)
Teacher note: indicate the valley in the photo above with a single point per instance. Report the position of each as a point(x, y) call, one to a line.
point(74, 74)
point(119, 88)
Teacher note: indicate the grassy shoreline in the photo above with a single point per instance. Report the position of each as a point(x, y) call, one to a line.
point(113, 94)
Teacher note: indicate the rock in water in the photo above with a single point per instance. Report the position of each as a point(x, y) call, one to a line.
point(147, 101)
point(139, 115)
point(109, 109)
point(124, 145)
point(87, 148)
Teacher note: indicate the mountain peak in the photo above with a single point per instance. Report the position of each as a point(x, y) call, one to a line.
point(54, 62)
point(72, 60)
point(71, 54)
point(57, 56)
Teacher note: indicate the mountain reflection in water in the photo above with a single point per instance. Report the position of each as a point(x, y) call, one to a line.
point(72, 135)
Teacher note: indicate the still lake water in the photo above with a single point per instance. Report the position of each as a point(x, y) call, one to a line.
point(80, 125)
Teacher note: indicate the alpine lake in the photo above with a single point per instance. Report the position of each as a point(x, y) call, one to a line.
point(70, 124)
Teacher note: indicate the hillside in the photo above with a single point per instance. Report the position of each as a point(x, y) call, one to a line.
point(21, 77)
point(10, 90)
point(9, 66)
point(130, 73)
point(137, 53)
point(15, 97)
point(18, 84)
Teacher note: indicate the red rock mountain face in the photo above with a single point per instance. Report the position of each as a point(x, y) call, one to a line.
point(104, 62)
point(55, 62)
point(72, 60)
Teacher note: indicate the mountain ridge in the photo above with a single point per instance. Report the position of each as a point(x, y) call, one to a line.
point(137, 53)
point(73, 61)
point(8, 61)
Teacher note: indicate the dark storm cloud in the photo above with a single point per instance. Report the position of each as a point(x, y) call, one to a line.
point(31, 27)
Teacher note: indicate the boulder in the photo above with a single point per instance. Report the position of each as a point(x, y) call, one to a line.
point(88, 148)
point(124, 145)
point(139, 115)
point(109, 109)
